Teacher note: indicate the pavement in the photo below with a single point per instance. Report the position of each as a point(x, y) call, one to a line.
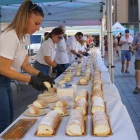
point(124, 82)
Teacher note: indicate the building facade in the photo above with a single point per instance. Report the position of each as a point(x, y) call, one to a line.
point(126, 12)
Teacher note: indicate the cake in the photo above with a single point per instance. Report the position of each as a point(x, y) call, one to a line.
point(83, 80)
point(75, 126)
point(62, 82)
point(82, 105)
point(82, 94)
point(61, 103)
point(100, 123)
point(97, 104)
point(39, 103)
point(33, 109)
point(47, 84)
point(49, 123)
point(53, 89)
point(78, 73)
point(61, 110)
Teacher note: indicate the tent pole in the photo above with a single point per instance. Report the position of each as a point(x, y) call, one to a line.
point(110, 39)
point(0, 21)
point(139, 12)
point(100, 37)
point(102, 40)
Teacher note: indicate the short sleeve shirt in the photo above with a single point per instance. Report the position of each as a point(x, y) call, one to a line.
point(125, 46)
point(72, 44)
point(135, 42)
point(12, 48)
point(48, 48)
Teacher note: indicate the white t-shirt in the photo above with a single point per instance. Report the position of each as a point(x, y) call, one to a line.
point(61, 53)
point(72, 44)
point(48, 48)
point(12, 48)
point(125, 46)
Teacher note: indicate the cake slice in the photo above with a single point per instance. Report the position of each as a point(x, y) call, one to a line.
point(98, 104)
point(33, 109)
point(82, 94)
point(61, 103)
point(49, 123)
point(39, 103)
point(100, 123)
point(75, 126)
point(61, 110)
point(82, 105)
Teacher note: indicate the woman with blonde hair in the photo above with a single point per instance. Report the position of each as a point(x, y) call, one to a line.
point(13, 56)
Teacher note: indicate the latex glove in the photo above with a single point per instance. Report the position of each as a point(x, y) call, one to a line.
point(37, 83)
point(45, 78)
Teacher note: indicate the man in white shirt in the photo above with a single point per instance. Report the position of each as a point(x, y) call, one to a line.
point(61, 52)
point(73, 47)
point(126, 41)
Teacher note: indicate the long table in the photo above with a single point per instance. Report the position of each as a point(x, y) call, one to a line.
point(120, 121)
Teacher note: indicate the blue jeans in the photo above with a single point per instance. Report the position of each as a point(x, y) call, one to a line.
point(6, 103)
point(42, 68)
point(65, 66)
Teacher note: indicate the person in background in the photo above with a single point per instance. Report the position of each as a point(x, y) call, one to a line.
point(106, 46)
point(14, 55)
point(46, 55)
point(115, 45)
point(72, 46)
point(119, 47)
point(83, 46)
point(136, 47)
point(126, 41)
point(61, 52)
point(46, 35)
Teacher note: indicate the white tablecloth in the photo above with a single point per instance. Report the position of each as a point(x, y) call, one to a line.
point(120, 121)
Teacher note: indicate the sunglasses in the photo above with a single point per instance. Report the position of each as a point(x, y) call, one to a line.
point(37, 8)
point(60, 37)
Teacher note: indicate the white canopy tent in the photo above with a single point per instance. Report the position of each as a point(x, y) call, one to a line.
point(58, 12)
point(66, 12)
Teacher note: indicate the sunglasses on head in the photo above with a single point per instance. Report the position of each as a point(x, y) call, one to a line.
point(36, 8)
point(60, 37)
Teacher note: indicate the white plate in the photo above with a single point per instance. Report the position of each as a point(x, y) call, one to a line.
point(46, 105)
point(52, 106)
point(41, 112)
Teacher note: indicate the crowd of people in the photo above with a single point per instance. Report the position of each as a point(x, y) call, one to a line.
point(124, 46)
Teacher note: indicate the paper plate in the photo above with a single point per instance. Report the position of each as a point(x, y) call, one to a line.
point(41, 112)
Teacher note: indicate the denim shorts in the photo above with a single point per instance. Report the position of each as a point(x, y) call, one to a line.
point(126, 55)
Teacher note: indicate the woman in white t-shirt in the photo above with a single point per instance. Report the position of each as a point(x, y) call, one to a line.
point(46, 55)
point(13, 56)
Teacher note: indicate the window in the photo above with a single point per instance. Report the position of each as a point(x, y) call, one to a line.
point(133, 10)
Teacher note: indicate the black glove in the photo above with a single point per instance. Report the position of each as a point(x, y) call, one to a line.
point(59, 69)
point(37, 83)
point(78, 55)
point(86, 54)
point(44, 78)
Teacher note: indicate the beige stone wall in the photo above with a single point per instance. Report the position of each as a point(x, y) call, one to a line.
point(121, 11)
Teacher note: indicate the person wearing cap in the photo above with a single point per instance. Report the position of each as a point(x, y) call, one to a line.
point(61, 57)
point(136, 46)
point(46, 55)
point(126, 41)
point(73, 47)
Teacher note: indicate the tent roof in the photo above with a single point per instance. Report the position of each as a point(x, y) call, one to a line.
point(66, 12)
point(118, 26)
